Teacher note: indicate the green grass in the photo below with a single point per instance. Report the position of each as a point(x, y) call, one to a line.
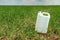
point(18, 22)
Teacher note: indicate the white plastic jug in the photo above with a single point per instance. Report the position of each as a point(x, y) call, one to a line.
point(42, 22)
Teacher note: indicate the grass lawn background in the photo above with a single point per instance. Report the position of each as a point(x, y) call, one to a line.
point(18, 22)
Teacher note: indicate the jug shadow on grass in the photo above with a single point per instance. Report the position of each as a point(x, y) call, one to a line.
point(45, 35)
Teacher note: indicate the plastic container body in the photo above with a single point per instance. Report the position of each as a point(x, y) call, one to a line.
point(42, 22)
